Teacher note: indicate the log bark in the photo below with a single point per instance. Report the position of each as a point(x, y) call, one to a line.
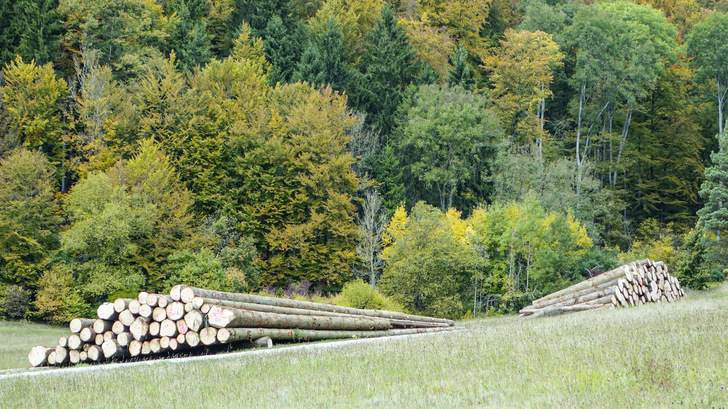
point(187, 294)
point(221, 317)
point(265, 342)
point(38, 355)
point(208, 336)
point(593, 282)
point(230, 335)
point(77, 324)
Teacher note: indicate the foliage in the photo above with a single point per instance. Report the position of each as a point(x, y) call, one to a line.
point(446, 143)
point(323, 63)
point(428, 262)
point(15, 302)
point(199, 269)
point(358, 294)
point(461, 73)
point(29, 221)
point(58, 300)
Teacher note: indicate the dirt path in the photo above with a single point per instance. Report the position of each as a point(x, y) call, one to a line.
point(181, 360)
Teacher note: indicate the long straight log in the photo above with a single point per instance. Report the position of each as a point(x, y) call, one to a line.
point(577, 294)
point(230, 335)
point(221, 317)
point(77, 324)
point(608, 292)
point(204, 304)
point(38, 355)
point(592, 282)
point(187, 294)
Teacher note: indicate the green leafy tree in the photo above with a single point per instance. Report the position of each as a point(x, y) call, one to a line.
point(199, 269)
point(33, 99)
point(387, 68)
point(29, 220)
point(709, 52)
point(427, 263)
point(447, 142)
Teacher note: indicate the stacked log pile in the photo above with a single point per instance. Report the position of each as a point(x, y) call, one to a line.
point(630, 285)
point(194, 318)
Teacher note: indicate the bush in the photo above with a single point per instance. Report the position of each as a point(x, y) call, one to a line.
point(16, 302)
point(358, 294)
point(199, 269)
point(57, 300)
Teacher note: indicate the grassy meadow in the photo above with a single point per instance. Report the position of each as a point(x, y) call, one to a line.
point(655, 356)
point(16, 339)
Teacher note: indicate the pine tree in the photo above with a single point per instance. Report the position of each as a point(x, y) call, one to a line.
point(387, 68)
point(324, 63)
point(461, 74)
point(281, 51)
point(31, 29)
point(714, 191)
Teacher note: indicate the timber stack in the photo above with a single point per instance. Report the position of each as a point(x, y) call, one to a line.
point(630, 285)
point(189, 318)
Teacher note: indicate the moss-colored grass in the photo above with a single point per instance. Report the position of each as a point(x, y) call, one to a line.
point(17, 337)
point(657, 356)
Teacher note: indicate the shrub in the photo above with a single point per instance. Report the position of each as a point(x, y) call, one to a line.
point(16, 302)
point(358, 294)
point(57, 300)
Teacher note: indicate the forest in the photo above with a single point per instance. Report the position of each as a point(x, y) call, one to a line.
point(442, 157)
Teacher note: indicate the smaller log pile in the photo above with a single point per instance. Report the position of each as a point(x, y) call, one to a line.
point(192, 318)
point(630, 285)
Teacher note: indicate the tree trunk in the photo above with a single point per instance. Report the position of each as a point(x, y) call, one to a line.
point(126, 317)
point(102, 325)
point(230, 335)
point(106, 311)
point(208, 336)
point(194, 320)
point(188, 293)
point(221, 317)
point(38, 356)
point(77, 324)
point(168, 328)
point(121, 304)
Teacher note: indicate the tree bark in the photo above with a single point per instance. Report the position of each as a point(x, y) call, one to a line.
point(188, 293)
point(230, 335)
point(221, 317)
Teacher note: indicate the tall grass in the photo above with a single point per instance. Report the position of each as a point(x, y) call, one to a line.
point(17, 337)
point(656, 356)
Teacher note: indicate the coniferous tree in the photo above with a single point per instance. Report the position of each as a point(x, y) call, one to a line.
point(324, 63)
point(281, 51)
point(34, 27)
point(714, 191)
point(461, 74)
point(387, 68)
point(190, 39)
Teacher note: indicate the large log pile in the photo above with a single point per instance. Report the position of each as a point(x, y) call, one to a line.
point(189, 318)
point(630, 285)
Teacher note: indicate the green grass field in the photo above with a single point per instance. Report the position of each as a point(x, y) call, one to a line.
point(656, 356)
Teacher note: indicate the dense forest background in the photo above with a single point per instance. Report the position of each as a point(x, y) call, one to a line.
point(459, 156)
